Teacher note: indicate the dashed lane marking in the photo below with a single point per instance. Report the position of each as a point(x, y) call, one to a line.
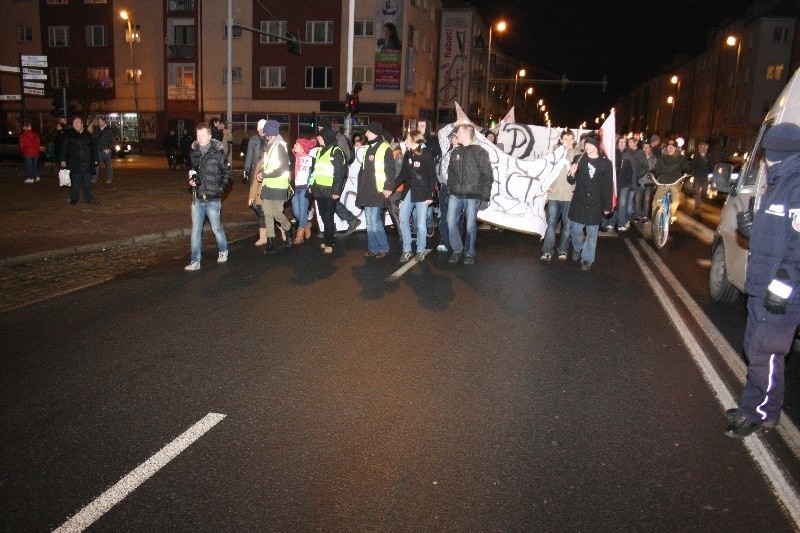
point(405, 268)
point(89, 514)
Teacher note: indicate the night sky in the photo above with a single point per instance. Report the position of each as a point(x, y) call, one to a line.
point(627, 41)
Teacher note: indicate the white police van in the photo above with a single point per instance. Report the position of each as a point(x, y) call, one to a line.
point(729, 249)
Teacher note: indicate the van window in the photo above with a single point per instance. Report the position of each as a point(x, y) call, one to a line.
point(753, 166)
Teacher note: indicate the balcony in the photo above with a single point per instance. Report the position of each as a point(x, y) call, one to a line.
point(180, 51)
point(180, 6)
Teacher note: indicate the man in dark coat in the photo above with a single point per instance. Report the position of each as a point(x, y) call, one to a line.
point(702, 166)
point(78, 154)
point(375, 183)
point(592, 175)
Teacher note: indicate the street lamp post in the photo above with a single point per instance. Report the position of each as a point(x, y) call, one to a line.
point(517, 75)
point(733, 41)
point(528, 93)
point(501, 27)
point(671, 101)
point(675, 80)
point(131, 37)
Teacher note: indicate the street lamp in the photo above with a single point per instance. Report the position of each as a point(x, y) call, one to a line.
point(525, 107)
point(671, 101)
point(131, 37)
point(517, 76)
point(733, 41)
point(674, 80)
point(501, 27)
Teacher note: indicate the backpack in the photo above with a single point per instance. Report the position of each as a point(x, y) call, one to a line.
point(347, 148)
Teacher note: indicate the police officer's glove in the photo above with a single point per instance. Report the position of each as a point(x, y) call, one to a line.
point(744, 223)
point(484, 205)
point(778, 293)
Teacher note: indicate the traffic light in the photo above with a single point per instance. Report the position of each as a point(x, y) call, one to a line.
point(352, 104)
point(293, 43)
point(59, 103)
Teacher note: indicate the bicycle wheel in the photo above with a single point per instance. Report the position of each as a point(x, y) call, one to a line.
point(660, 227)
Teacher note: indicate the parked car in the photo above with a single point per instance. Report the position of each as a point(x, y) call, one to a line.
point(735, 164)
point(9, 149)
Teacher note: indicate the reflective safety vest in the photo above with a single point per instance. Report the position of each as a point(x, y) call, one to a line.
point(380, 171)
point(323, 168)
point(271, 162)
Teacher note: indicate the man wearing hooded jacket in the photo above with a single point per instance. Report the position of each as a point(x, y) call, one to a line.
point(375, 182)
point(772, 284)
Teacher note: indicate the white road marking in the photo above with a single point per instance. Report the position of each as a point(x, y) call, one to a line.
point(781, 486)
point(405, 268)
point(89, 514)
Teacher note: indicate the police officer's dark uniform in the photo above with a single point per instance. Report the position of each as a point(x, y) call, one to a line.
point(772, 285)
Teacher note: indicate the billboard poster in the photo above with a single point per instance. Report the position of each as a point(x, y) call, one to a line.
point(389, 45)
point(454, 51)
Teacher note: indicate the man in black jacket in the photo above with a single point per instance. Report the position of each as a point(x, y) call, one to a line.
point(469, 180)
point(209, 177)
point(79, 156)
point(702, 166)
point(104, 144)
point(592, 176)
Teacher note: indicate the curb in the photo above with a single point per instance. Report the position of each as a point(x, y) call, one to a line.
point(99, 247)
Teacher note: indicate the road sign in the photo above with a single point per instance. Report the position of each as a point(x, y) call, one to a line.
point(37, 92)
point(34, 76)
point(35, 84)
point(9, 97)
point(5, 68)
point(34, 58)
point(32, 71)
point(34, 63)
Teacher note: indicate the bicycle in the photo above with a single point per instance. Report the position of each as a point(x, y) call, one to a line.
point(662, 214)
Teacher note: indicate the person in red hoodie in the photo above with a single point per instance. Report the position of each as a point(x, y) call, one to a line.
point(29, 147)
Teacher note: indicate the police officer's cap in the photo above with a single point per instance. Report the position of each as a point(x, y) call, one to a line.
point(781, 141)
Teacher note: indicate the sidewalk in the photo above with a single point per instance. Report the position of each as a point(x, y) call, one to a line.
point(145, 202)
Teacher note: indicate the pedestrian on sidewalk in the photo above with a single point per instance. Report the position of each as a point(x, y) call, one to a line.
point(209, 177)
point(78, 154)
point(29, 147)
point(104, 144)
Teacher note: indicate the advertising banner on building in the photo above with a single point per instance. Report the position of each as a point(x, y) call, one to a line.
point(455, 44)
point(389, 46)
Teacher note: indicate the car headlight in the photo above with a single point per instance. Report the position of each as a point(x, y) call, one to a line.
point(128, 148)
point(117, 148)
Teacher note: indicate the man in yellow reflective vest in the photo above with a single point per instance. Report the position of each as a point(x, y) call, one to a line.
point(375, 184)
point(271, 185)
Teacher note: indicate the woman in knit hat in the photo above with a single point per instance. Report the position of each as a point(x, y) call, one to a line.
point(302, 171)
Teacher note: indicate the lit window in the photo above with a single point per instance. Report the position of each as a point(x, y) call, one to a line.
point(99, 77)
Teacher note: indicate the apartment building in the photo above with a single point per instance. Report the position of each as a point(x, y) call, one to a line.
point(164, 67)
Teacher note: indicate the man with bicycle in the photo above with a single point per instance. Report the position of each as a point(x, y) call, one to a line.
point(669, 168)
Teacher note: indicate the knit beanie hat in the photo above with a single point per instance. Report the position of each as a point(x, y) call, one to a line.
point(272, 127)
point(306, 144)
point(781, 141)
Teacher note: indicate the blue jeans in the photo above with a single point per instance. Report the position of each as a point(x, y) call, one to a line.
point(444, 234)
point(31, 167)
point(376, 232)
point(200, 210)
point(587, 247)
point(300, 207)
point(104, 158)
point(556, 210)
point(631, 204)
point(469, 207)
point(621, 214)
point(419, 209)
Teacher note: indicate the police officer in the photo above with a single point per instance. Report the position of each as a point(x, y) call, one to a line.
point(773, 284)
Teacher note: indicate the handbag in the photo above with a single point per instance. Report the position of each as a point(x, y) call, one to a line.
point(63, 178)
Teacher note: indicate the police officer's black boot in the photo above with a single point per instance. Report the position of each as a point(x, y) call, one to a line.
point(270, 249)
point(290, 236)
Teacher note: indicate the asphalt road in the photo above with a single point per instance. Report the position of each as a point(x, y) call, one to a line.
point(508, 395)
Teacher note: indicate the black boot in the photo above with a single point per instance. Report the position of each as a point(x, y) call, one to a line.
point(290, 236)
point(270, 249)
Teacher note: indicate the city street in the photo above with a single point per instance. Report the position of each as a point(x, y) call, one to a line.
point(308, 392)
